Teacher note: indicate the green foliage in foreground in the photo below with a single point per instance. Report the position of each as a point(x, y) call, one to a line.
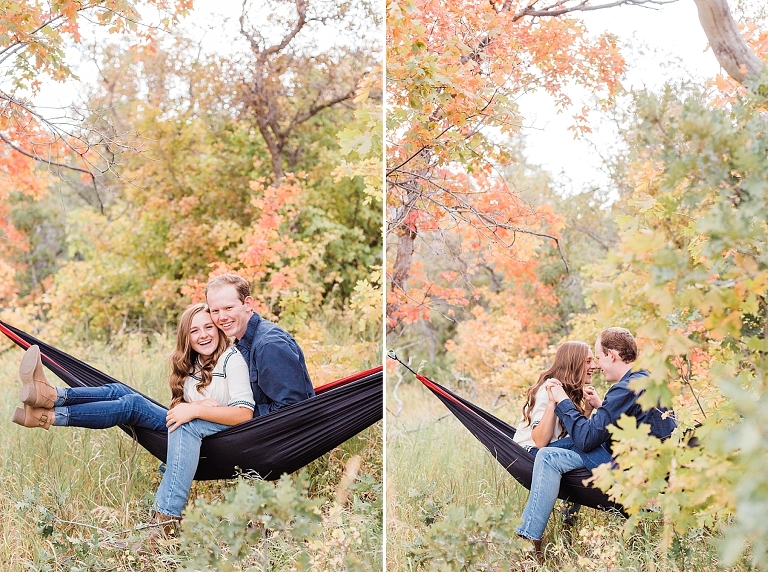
point(690, 276)
point(72, 498)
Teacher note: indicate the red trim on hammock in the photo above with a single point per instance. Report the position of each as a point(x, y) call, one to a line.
point(439, 390)
point(349, 379)
point(26, 345)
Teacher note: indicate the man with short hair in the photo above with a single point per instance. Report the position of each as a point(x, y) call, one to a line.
point(276, 366)
point(615, 350)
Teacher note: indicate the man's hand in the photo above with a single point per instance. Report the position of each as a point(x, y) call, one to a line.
point(590, 396)
point(555, 390)
point(180, 414)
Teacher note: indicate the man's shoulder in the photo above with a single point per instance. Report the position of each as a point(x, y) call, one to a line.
point(624, 382)
point(270, 333)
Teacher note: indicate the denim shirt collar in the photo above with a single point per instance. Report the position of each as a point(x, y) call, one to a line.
point(634, 372)
point(244, 343)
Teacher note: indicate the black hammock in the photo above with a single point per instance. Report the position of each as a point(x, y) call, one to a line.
point(497, 436)
point(281, 442)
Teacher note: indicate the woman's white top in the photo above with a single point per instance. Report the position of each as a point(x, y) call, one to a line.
point(523, 432)
point(230, 384)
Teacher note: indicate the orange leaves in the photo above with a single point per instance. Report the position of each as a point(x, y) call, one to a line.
point(265, 245)
point(454, 71)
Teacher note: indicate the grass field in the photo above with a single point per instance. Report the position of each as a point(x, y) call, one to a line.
point(450, 506)
point(67, 494)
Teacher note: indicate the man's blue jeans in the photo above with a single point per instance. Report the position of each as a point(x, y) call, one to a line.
point(114, 404)
point(548, 468)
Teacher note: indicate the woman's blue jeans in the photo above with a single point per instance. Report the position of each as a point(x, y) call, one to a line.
point(181, 465)
point(106, 406)
point(114, 404)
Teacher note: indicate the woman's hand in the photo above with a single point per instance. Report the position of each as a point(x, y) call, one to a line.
point(555, 390)
point(182, 413)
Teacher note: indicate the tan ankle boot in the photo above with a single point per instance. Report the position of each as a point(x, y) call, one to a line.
point(35, 390)
point(33, 417)
point(167, 525)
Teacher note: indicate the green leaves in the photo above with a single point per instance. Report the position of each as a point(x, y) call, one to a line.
point(693, 266)
point(251, 512)
point(469, 538)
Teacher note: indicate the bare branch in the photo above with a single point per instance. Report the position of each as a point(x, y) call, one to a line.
point(36, 157)
point(562, 7)
point(489, 227)
point(315, 109)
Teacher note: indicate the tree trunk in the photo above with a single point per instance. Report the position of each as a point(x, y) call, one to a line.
point(727, 43)
point(405, 246)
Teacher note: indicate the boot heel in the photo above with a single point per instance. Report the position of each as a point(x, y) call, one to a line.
point(28, 395)
point(33, 417)
point(18, 417)
point(36, 390)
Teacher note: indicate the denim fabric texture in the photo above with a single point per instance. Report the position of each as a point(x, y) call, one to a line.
point(548, 468)
point(276, 366)
point(106, 406)
point(592, 459)
point(181, 464)
point(589, 434)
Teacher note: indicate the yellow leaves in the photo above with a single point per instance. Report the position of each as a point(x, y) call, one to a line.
point(643, 242)
point(366, 301)
point(655, 329)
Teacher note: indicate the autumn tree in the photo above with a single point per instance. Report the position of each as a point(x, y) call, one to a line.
point(453, 75)
point(33, 40)
point(278, 90)
point(199, 196)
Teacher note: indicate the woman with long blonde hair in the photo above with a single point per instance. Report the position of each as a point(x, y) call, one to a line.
point(210, 391)
point(572, 368)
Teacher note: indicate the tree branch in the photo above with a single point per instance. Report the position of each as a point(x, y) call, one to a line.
point(728, 45)
point(51, 162)
point(490, 224)
point(560, 7)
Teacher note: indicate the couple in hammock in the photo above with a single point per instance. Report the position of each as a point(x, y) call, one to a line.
point(213, 384)
point(565, 423)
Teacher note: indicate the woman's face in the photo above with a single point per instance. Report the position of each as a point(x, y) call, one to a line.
point(203, 334)
point(589, 368)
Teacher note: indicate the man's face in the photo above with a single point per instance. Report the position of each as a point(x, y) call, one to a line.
point(228, 312)
point(591, 367)
point(609, 361)
point(605, 361)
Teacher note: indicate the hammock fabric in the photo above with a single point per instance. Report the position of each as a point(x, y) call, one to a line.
point(497, 436)
point(281, 442)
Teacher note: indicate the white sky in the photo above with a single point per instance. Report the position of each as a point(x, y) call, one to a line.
point(213, 22)
point(659, 44)
point(662, 44)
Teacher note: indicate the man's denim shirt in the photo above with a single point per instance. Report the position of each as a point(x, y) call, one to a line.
point(276, 366)
point(588, 434)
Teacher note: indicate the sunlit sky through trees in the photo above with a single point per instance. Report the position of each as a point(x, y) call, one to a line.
point(214, 23)
point(662, 44)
